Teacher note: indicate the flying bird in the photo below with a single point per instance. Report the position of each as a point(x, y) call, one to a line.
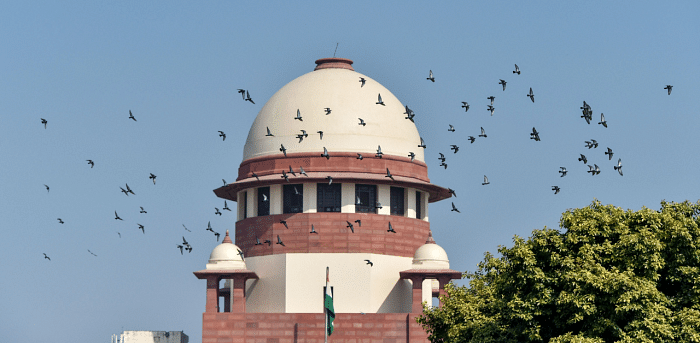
point(411, 155)
point(454, 147)
point(313, 230)
point(454, 208)
point(370, 263)
point(43, 121)
point(188, 230)
point(283, 150)
point(471, 139)
point(409, 114)
point(465, 106)
point(325, 153)
point(583, 158)
point(562, 171)
point(350, 226)
point(442, 157)
point(320, 133)
point(362, 82)
point(217, 211)
point(226, 206)
point(492, 98)
point(609, 153)
point(131, 116)
point(257, 241)
point(618, 167)
point(422, 144)
point(502, 82)
point(556, 189)
point(242, 91)
point(669, 87)
point(379, 100)
point(116, 216)
point(452, 192)
point(443, 164)
point(535, 135)
point(391, 228)
point(153, 177)
point(120, 235)
point(451, 129)
point(430, 77)
point(602, 121)
point(531, 95)
point(483, 133)
point(359, 156)
point(359, 222)
point(269, 134)
point(124, 191)
point(180, 247)
point(593, 170)
point(222, 134)
point(517, 70)
point(91, 163)
point(379, 152)
point(302, 135)
point(255, 176)
point(129, 189)
point(285, 176)
point(247, 98)
point(284, 222)
point(388, 174)
point(142, 210)
point(279, 241)
point(362, 122)
point(46, 257)
point(47, 188)
point(330, 179)
point(328, 110)
point(291, 171)
point(302, 172)
point(491, 109)
point(298, 117)
point(209, 228)
point(142, 228)
point(60, 221)
point(486, 181)
point(217, 236)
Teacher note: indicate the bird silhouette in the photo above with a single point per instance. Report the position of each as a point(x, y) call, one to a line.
point(388, 174)
point(313, 230)
point(350, 226)
point(471, 139)
point(422, 143)
point(247, 98)
point(269, 134)
point(285, 176)
point(284, 222)
point(325, 153)
point(451, 129)
point(180, 247)
point(131, 116)
point(465, 106)
point(359, 156)
point(411, 155)
point(209, 228)
point(327, 110)
point(556, 189)
point(116, 216)
point(379, 152)
point(152, 177)
point(302, 172)
point(452, 192)
point(223, 135)
point(362, 82)
point(91, 163)
point(562, 171)
point(517, 70)
point(535, 135)
point(47, 188)
point(602, 121)
point(44, 121)
point(430, 77)
point(379, 100)
point(142, 210)
point(609, 153)
point(291, 171)
point(359, 222)
point(217, 236)
point(443, 164)
point(618, 167)
point(128, 189)
point(283, 150)
point(242, 92)
point(583, 158)
point(330, 179)
point(454, 208)
point(298, 117)
point(502, 82)
point(224, 182)
point(669, 87)
point(593, 169)
point(226, 206)
point(124, 191)
point(188, 230)
point(531, 95)
point(491, 109)
point(362, 122)
point(279, 241)
point(391, 228)
point(46, 257)
point(409, 114)
point(486, 181)
point(321, 134)
point(370, 263)
point(60, 221)
point(217, 211)
point(454, 148)
point(142, 228)
point(492, 98)
point(483, 133)
point(257, 241)
point(442, 157)
point(302, 135)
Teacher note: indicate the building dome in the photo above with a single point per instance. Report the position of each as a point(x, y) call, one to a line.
point(335, 85)
point(430, 256)
point(226, 256)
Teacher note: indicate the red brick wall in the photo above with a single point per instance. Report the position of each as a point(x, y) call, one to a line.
point(309, 328)
point(333, 235)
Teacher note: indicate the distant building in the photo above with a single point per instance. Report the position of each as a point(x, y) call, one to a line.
point(151, 337)
point(364, 217)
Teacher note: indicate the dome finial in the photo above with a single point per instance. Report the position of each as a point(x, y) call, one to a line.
point(227, 239)
point(334, 62)
point(430, 238)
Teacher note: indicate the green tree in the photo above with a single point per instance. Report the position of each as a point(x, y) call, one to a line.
point(608, 275)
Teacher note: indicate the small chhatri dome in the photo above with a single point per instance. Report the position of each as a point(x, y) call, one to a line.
point(430, 256)
point(226, 256)
point(332, 99)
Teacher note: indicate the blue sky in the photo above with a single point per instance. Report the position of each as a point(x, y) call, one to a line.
point(176, 66)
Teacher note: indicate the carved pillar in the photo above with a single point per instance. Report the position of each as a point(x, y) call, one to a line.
point(238, 294)
point(416, 306)
point(443, 281)
point(212, 305)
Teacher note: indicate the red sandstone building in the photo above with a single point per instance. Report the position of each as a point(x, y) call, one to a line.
point(268, 286)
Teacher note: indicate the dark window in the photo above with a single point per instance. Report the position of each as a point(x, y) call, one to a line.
point(293, 198)
point(245, 205)
point(263, 201)
point(419, 199)
point(396, 197)
point(328, 197)
point(365, 199)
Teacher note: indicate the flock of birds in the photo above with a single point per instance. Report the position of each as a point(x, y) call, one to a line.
point(587, 115)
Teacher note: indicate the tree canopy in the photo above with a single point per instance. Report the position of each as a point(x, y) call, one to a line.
point(608, 275)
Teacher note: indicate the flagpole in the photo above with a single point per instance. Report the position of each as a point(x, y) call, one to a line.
point(325, 311)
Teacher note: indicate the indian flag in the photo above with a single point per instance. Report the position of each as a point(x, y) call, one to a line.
point(328, 304)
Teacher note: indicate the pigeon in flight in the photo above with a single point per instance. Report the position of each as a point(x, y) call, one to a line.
point(388, 174)
point(592, 144)
point(116, 216)
point(451, 129)
point(350, 226)
point(120, 235)
point(430, 77)
point(217, 211)
point(188, 230)
point(257, 241)
point(359, 222)
point(325, 153)
point(359, 156)
point(129, 189)
point(47, 188)
point(379, 153)
point(454, 147)
point(391, 228)
point(302, 135)
point(442, 157)
point(46, 257)
point(411, 155)
point(422, 144)
point(556, 189)
point(91, 163)
point(362, 122)
point(362, 82)
point(224, 182)
point(370, 263)
point(131, 116)
point(226, 206)
point(593, 170)
point(378, 205)
point(298, 117)
point(153, 177)
point(669, 87)
point(602, 121)
point(313, 229)
point(503, 82)
point(609, 153)
point(209, 228)
point(452, 192)
point(535, 135)
point(465, 105)
point(492, 98)
point(142, 210)
point(491, 109)
point(93, 254)
point(284, 222)
point(409, 114)
point(330, 179)
point(454, 208)
point(562, 171)
point(247, 98)
point(291, 171)
point(242, 91)
point(379, 100)
point(217, 238)
point(486, 181)
point(531, 95)
point(283, 150)
point(443, 164)
point(483, 133)
point(124, 191)
point(517, 70)
point(142, 228)
point(222, 134)
point(43, 121)
point(328, 110)
point(269, 134)
point(320, 133)
point(471, 139)
point(302, 171)
point(285, 176)
point(279, 241)
point(60, 221)
point(180, 247)
point(583, 158)
point(618, 167)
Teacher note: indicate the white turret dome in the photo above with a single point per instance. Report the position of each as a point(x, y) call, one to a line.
point(226, 256)
point(334, 85)
point(430, 256)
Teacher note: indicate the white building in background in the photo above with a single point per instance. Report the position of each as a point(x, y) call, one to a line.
point(151, 337)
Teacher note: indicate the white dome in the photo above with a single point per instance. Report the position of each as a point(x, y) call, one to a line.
point(430, 256)
point(226, 256)
point(340, 90)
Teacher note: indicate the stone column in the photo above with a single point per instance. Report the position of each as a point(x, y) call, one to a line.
point(443, 281)
point(212, 305)
point(417, 301)
point(238, 294)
